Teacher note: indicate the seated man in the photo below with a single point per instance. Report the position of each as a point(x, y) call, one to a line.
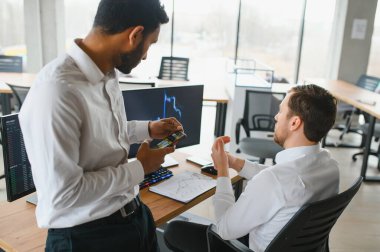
point(303, 173)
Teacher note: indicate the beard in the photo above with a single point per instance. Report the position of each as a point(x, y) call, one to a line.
point(130, 60)
point(278, 139)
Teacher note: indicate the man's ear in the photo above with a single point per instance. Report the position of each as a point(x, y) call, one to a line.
point(136, 36)
point(295, 123)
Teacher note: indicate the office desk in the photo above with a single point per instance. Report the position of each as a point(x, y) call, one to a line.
point(19, 231)
point(354, 95)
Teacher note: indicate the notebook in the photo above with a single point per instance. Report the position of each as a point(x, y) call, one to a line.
point(184, 186)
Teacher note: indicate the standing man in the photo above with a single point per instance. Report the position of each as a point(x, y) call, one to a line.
point(77, 136)
point(304, 172)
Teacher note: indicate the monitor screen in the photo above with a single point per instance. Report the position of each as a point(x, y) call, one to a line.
point(18, 173)
point(181, 102)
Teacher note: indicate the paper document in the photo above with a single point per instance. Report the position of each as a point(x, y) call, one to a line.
point(184, 186)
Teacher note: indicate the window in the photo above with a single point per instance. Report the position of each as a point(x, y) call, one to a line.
point(374, 59)
point(12, 41)
point(79, 16)
point(269, 33)
point(318, 27)
point(205, 32)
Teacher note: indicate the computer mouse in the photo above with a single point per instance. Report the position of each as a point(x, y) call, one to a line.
point(209, 169)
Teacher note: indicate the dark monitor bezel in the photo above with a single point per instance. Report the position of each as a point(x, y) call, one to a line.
point(180, 145)
point(11, 196)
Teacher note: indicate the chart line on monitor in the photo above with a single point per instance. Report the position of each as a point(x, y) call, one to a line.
point(168, 100)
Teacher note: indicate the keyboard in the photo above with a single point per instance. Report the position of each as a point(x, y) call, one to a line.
point(154, 177)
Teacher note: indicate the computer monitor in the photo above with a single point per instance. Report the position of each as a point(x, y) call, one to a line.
point(181, 102)
point(18, 173)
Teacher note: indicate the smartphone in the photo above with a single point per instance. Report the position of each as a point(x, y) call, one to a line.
point(171, 139)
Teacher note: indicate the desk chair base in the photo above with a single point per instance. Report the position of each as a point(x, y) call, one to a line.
point(372, 152)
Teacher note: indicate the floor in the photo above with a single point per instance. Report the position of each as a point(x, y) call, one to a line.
point(358, 229)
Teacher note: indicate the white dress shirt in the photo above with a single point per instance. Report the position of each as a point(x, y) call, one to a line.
point(274, 194)
point(77, 139)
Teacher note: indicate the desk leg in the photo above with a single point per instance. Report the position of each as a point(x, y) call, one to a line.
point(367, 149)
point(6, 104)
point(220, 119)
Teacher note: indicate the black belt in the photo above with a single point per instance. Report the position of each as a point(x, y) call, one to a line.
point(130, 207)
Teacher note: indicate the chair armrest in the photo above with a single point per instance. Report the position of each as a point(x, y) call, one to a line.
point(216, 243)
point(241, 122)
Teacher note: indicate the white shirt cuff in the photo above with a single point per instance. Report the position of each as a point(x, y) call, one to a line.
point(141, 130)
point(137, 171)
point(223, 185)
point(245, 171)
point(250, 169)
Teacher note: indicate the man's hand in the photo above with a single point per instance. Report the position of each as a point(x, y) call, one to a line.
point(164, 127)
point(219, 156)
point(151, 159)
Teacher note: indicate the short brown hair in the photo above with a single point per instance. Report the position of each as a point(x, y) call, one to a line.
point(316, 107)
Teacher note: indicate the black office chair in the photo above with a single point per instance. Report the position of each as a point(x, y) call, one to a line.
point(259, 111)
point(308, 230)
point(20, 93)
point(366, 82)
point(10, 64)
point(174, 68)
point(376, 135)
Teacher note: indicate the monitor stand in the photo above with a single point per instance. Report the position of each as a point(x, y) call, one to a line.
point(32, 199)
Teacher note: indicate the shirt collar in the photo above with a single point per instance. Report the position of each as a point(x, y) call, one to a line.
point(85, 63)
point(296, 152)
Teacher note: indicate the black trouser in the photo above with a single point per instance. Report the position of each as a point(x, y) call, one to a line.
point(182, 236)
point(114, 233)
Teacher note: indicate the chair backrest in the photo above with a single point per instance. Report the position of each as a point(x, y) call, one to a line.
point(310, 227)
point(307, 231)
point(20, 93)
point(368, 82)
point(10, 64)
point(174, 68)
point(260, 108)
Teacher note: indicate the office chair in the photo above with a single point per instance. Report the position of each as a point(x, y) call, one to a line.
point(10, 64)
point(376, 134)
point(20, 93)
point(259, 111)
point(307, 230)
point(174, 68)
point(366, 82)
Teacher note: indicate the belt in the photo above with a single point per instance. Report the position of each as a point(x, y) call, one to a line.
point(130, 207)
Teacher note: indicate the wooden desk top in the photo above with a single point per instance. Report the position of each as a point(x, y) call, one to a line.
point(351, 94)
point(18, 226)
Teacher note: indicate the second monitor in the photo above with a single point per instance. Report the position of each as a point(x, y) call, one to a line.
point(181, 102)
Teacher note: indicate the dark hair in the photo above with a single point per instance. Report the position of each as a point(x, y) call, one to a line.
point(115, 16)
point(316, 107)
